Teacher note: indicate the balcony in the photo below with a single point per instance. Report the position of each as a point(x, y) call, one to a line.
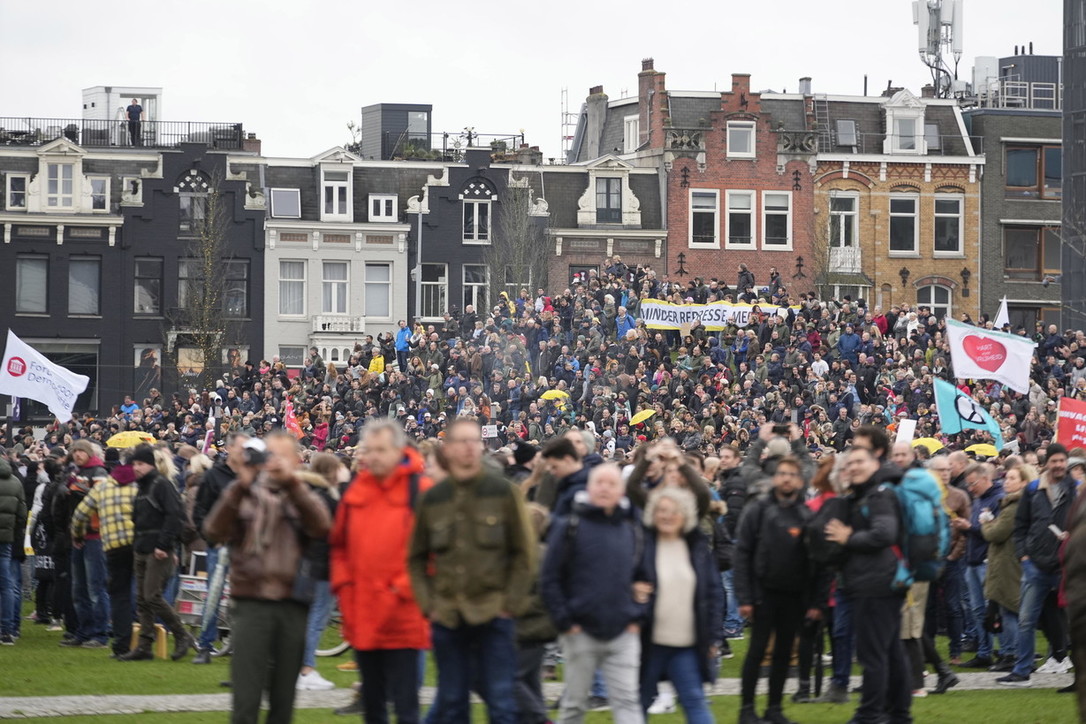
point(845, 259)
point(338, 324)
point(447, 147)
point(114, 134)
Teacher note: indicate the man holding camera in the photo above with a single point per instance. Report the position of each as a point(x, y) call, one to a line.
point(268, 516)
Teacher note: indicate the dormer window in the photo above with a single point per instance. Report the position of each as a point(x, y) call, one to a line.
point(60, 191)
point(905, 134)
point(477, 197)
point(905, 129)
point(336, 194)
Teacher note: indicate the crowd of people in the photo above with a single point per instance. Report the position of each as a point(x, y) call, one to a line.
point(554, 471)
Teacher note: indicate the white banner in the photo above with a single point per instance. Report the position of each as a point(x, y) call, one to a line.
point(981, 354)
point(25, 372)
point(714, 316)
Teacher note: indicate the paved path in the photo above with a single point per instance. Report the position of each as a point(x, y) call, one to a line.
point(60, 706)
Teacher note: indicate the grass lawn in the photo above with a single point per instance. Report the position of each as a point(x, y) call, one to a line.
point(37, 666)
point(965, 707)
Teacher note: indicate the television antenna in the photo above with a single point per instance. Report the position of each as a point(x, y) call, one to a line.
point(940, 35)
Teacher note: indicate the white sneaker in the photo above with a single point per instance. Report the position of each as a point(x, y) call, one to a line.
point(313, 682)
point(1052, 666)
point(664, 703)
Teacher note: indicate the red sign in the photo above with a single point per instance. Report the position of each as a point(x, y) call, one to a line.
point(16, 367)
point(987, 353)
point(1071, 423)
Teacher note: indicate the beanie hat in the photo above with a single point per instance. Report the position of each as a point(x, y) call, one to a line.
point(143, 454)
point(524, 453)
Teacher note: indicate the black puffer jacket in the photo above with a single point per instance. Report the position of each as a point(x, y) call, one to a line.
point(214, 483)
point(870, 564)
point(157, 514)
point(12, 507)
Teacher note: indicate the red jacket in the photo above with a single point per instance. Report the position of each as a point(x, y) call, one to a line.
point(369, 544)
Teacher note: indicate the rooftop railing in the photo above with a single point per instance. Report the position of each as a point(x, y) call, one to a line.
point(29, 131)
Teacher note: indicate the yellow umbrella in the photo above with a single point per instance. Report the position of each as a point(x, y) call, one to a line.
point(553, 395)
point(642, 416)
point(930, 443)
point(129, 438)
point(983, 448)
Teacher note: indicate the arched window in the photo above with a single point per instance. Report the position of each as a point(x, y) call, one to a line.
point(477, 196)
point(886, 296)
point(937, 298)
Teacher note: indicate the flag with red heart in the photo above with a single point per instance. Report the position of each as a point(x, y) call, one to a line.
point(983, 354)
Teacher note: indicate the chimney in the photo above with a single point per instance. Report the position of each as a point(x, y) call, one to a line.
point(596, 114)
point(805, 85)
point(251, 143)
point(927, 91)
point(741, 83)
point(651, 103)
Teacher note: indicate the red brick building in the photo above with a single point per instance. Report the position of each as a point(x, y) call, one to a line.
point(736, 170)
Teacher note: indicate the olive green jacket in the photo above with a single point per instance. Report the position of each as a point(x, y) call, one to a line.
point(1002, 582)
point(472, 554)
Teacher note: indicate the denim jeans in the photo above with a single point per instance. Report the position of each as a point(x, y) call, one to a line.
point(1008, 640)
point(486, 652)
point(1036, 585)
point(733, 623)
point(619, 659)
point(9, 605)
point(974, 583)
point(90, 592)
point(17, 595)
point(216, 580)
point(843, 637)
point(319, 611)
point(680, 665)
point(950, 584)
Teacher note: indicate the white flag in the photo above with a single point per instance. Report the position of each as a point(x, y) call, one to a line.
point(1002, 318)
point(25, 372)
point(981, 354)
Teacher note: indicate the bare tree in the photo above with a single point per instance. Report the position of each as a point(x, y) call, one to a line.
point(517, 255)
point(203, 318)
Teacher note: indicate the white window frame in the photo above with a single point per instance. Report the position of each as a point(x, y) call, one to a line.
point(766, 213)
point(751, 212)
point(334, 283)
point(91, 178)
point(715, 243)
point(296, 193)
point(852, 218)
point(338, 212)
point(479, 308)
point(891, 215)
point(747, 126)
point(442, 285)
point(631, 133)
point(386, 207)
point(960, 216)
point(293, 280)
point(97, 261)
point(932, 304)
point(387, 285)
point(25, 177)
point(59, 199)
point(476, 238)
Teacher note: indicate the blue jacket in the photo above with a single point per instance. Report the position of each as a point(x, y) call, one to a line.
point(708, 599)
point(976, 548)
point(624, 324)
point(403, 339)
point(588, 573)
point(568, 487)
point(849, 346)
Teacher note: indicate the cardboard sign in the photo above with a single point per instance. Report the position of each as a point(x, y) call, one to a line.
point(490, 431)
point(1071, 423)
point(905, 430)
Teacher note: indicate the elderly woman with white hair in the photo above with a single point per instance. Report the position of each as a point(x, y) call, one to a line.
point(685, 602)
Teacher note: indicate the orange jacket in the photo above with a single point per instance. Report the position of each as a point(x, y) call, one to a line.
point(369, 544)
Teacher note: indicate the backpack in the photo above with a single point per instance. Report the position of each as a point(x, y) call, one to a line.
point(925, 525)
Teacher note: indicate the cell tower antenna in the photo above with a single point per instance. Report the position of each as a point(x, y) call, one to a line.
point(940, 40)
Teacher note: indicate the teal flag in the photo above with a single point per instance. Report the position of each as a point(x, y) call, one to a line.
point(958, 411)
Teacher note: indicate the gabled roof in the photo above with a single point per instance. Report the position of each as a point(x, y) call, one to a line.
point(607, 160)
point(61, 146)
point(337, 154)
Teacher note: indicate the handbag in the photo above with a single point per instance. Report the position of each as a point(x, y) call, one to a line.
point(993, 618)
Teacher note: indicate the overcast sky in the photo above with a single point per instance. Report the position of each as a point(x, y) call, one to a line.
point(296, 72)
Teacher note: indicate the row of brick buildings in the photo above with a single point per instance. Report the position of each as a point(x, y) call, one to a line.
point(896, 198)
